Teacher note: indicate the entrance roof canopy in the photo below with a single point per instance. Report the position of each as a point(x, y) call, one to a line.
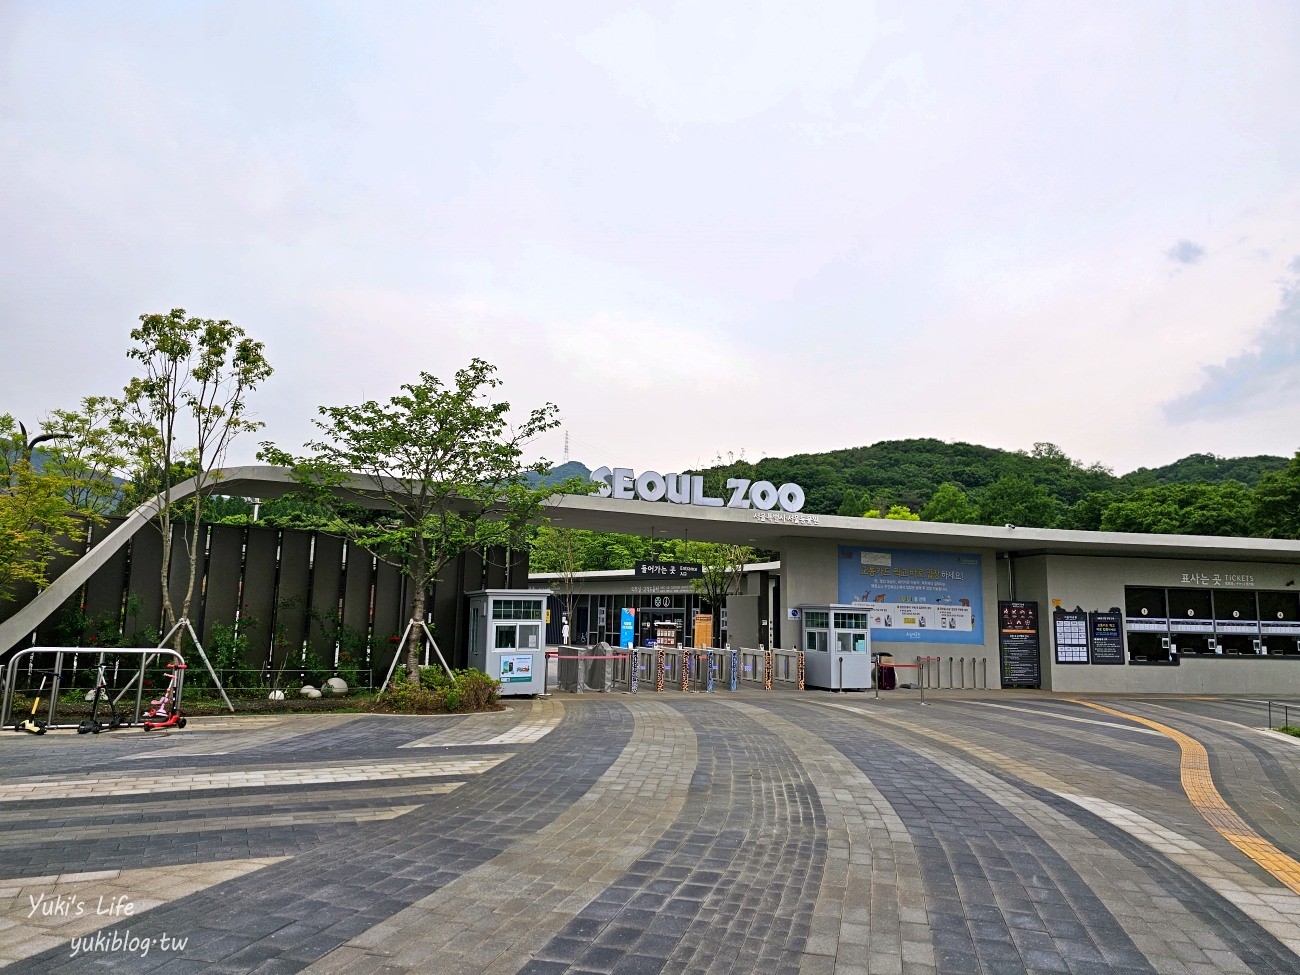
point(768, 529)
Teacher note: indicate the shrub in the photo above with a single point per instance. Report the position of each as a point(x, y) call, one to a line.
point(436, 693)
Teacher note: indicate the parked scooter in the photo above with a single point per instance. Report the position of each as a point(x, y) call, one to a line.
point(92, 725)
point(166, 711)
point(32, 724)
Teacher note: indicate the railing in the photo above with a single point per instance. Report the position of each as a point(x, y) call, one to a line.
point(1286, 713)
point(932, 672)
point(146, 654)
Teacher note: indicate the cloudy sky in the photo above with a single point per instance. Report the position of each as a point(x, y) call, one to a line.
point(698, 228)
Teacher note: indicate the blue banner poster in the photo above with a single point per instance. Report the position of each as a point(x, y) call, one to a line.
point(929, 597)
point(627, 628)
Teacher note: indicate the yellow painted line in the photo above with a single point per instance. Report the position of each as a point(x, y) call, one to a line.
point(1200, 789)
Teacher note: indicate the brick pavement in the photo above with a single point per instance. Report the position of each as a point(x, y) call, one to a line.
point(800, 834)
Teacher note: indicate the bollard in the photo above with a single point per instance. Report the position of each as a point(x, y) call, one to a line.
point(800, 670)
point(633, 667)
point(660, 663)
point(684, 663)
point(733, 659)
point(767, 670)
point(962, 662)
point(951, 682)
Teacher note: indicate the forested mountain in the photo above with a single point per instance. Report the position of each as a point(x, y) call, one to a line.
point(1040, 488)
point(1207, 469)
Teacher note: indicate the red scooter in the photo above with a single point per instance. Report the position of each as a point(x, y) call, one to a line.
point(166, 711)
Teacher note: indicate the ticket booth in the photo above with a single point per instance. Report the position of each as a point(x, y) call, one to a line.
point(837, 647)
point(507, 638)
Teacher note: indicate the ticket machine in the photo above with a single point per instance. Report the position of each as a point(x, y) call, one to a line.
point(507, 640)
point(837, 647)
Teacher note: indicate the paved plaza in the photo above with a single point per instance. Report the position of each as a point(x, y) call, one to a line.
point(785, 833)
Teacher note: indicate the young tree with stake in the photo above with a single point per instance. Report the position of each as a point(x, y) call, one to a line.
point(442, 464)
point(177, 421)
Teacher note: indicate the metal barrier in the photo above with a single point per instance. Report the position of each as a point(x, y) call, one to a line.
point(753, 667)
point(11, 675)
point(580, 672)
point(787, 667)
point(1286, 714)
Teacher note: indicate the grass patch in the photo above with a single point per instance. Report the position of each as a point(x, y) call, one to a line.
point(1290, 729)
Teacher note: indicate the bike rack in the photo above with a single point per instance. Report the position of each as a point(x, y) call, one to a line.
point(11, 676)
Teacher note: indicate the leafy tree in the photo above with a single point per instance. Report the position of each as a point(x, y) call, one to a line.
point(1277, 502)
point(37, 520)
point(178, 418)
point(1184, 509)
point(87, 451)
point(950, 505)
point(443, 465)
point(1017, 501)
point(896, 512)
point(723, 569)
point(1086, 513)
point(562, 551)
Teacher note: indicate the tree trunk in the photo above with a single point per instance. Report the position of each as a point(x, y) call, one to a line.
point(415, 645)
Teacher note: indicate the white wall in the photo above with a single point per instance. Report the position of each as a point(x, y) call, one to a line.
point(1098, 584)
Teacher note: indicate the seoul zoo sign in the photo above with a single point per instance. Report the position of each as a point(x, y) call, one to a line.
point(625, 484)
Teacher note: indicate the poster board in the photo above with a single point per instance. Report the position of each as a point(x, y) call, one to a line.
point(1018, 644)
point(1071, 636)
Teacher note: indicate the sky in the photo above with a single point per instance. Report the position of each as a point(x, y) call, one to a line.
point(702, 230)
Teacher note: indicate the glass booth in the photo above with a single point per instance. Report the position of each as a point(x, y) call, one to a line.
point(837, 647)
point(507, 638)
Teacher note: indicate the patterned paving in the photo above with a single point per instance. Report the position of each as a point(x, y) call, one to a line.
point(794, 834)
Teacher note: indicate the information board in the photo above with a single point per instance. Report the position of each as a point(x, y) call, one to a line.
point(1106, 637)
point(1071, 628)
point(627, 628)
point(1018, 644)
point(935, 597)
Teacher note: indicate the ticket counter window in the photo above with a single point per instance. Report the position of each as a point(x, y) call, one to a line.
point(1191, 622)
point(816, 632)
point(851, 632)
point(1279, 623)
point(1150, 648)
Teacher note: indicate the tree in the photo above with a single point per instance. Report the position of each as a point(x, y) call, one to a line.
point(37, 520)
point(561, 550)
point(1277, 502)
point(1184, 509)
point(896, 512)
point(949, 504)
point(442, 463)
point(1017, 501)
point(723, 568)
point(178, 419)
point(87, 450)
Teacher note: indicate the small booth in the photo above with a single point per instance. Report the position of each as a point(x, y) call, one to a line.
point(506, 638)
point(837, 647)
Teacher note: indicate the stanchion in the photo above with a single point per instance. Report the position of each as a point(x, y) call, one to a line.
point(767, 669)
point(660, 664)
point(733, 662)
point(633, 669)
point(800, 670)
point(683, 661)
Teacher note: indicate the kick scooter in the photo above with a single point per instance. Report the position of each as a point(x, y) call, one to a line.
point(32, 724)
point(92, 725)
point(166, 711)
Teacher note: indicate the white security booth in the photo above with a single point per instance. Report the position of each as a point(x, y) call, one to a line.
point(837, 645)
point(507, 638)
